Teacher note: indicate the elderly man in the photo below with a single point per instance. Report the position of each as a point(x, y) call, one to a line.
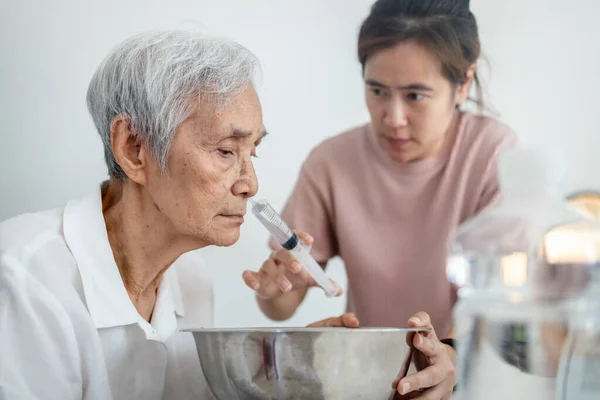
point(93, 295)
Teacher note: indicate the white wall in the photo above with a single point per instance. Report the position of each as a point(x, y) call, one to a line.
point(545, 58)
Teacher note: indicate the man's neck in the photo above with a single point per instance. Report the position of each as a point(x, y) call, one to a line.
point(143, 241)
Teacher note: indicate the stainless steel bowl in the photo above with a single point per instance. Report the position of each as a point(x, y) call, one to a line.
point(303, 363)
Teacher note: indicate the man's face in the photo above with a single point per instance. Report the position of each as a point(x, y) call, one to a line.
point(210, 173)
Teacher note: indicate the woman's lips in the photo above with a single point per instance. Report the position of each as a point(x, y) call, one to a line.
point(397, 143)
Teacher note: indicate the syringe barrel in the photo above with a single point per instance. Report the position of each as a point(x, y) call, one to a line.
point(272, 221)
point(314, 269)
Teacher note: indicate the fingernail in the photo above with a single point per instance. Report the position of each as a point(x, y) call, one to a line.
point(296, 266)
point(416, 320)
point(255, 286)
point(286, 285)
point(405, 388)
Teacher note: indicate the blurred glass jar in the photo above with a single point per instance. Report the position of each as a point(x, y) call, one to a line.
point(528, 277)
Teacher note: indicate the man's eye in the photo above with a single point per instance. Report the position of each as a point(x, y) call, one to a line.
point(225, 153)
point(377, 91)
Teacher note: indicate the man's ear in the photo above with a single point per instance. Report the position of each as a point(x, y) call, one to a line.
point(128, 150)
point(463, 90)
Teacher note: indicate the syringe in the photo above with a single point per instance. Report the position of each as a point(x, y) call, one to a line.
point(290, 241)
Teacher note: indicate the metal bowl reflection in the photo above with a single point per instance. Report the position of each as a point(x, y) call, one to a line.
point(302, 363)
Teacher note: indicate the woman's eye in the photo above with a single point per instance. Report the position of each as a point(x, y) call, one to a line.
point(415, 96)
point(377, 91)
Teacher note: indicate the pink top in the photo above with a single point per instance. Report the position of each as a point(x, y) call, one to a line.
point(391, 222)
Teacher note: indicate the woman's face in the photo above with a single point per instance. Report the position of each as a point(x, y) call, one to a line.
point(210, 173)
point(411, 103)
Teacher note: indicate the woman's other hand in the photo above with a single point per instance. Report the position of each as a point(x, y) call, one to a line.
point(346, 320)
point(434, 361)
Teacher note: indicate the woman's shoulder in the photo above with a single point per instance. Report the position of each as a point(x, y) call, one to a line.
point(337, 149)
point(485, 132)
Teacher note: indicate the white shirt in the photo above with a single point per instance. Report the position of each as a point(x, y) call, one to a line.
point(68, 329)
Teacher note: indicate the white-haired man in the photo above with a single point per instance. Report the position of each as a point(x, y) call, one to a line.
point(93, 295)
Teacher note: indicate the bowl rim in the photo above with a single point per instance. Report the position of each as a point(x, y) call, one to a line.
point(304, 330)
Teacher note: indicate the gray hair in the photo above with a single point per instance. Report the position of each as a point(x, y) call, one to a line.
point(156, 80)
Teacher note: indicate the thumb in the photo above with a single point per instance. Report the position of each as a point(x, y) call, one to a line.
point(347, 320)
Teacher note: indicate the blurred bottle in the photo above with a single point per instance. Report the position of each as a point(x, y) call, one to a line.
point(528, 276)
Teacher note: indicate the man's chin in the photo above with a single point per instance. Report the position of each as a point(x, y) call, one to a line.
point(227, 238)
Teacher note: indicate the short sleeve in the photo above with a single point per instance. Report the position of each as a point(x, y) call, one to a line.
point(39, 354)
point(310, 208)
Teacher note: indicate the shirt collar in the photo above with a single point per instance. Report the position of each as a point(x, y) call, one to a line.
point(107, 299)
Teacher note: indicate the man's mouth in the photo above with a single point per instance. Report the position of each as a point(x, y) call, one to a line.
point(236, 217)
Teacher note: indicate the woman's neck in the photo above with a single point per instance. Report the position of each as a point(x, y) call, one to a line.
point(143, 241)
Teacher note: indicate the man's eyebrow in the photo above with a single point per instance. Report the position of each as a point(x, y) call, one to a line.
point(240, 133)
point(263, 135)
point(413, 86)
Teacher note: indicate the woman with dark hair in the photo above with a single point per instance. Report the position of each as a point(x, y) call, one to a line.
point(386, 196)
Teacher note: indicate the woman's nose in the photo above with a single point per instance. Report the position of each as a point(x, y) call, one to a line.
point(395, 114)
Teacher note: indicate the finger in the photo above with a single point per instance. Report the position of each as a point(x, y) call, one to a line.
point(286, 258)
point(281, 257)
point(408, 396)
point(329, 322)
point(251, 280)
point(270, 271)
point(422, 320)
point(410, 336)
point(430, 346)
point(349, 320)
point(424, 379)
point(306, 239)
point(333, 322)
point(340, 321)
point(340, 288)
point(299, 274)
point(267, 288)
point(438, 392)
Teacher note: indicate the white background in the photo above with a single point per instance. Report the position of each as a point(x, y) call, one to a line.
point(544, 81)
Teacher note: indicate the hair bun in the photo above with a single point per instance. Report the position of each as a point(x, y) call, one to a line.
point(465, 6)
point(421, 8)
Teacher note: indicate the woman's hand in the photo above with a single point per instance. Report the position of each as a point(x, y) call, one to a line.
point(347, 320)
point(281, 273)
point(434, 361)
